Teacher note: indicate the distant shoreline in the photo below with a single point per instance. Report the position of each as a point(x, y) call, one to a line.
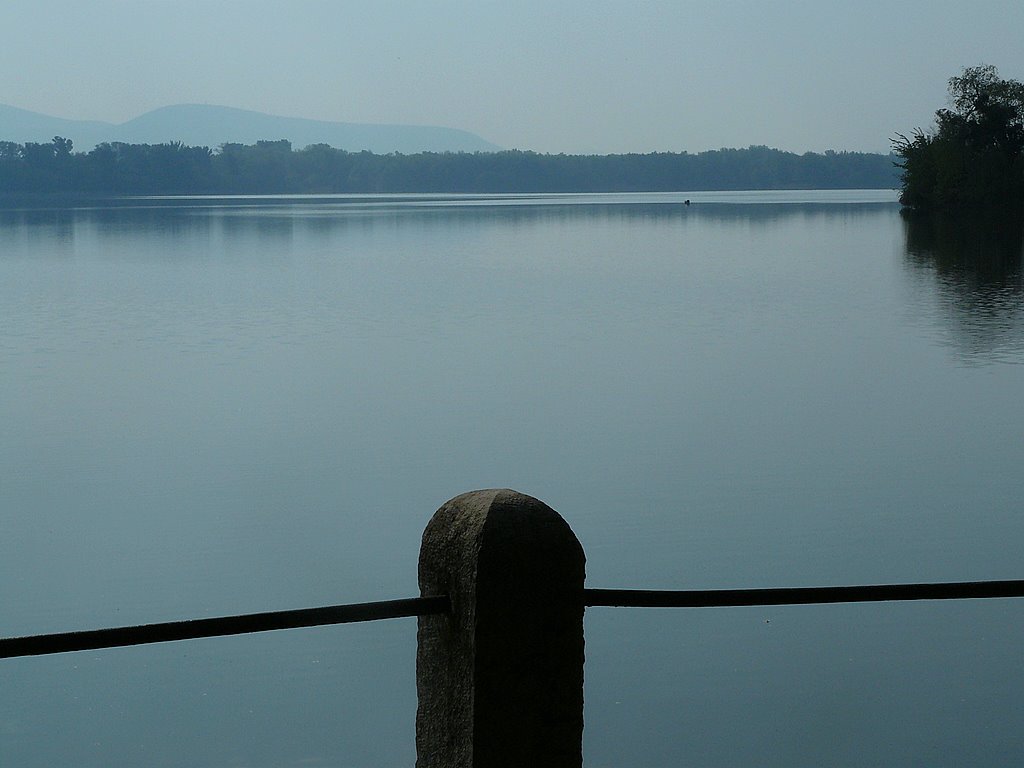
point(274, 167)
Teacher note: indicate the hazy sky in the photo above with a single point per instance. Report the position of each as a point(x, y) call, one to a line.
point(551, 76)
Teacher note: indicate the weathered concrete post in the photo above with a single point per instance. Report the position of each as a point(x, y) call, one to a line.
point(500, 680)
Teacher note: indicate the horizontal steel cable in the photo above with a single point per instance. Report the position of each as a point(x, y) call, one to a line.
point(39, 645)
point(720, 598)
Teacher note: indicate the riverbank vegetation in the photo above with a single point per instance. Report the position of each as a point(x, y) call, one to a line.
point(275, 167)
point(974, 156)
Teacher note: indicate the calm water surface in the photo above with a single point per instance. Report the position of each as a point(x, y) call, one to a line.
point(224, 405)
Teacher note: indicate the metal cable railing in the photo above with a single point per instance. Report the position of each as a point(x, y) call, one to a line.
point(38, 645)
point(719, 598)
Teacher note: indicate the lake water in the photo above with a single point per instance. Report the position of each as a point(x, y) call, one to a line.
point(213, 406)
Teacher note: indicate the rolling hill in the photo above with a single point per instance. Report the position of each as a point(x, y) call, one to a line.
point(211, 126)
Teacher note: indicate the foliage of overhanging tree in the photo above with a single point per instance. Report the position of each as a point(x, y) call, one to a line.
point(974, 157)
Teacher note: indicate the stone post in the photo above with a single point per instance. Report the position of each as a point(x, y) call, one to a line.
point(500, 679)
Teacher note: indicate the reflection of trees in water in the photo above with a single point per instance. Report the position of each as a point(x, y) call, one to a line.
point(976, 259)
point(282, 216)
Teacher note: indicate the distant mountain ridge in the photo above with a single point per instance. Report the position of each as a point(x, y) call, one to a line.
point(211, 126)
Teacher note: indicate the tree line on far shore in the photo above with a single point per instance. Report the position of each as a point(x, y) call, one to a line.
point(275, 167)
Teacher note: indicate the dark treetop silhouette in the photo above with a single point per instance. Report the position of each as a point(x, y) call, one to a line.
point(974, 157)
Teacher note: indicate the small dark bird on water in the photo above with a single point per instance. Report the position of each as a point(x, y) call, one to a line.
point(686, 202)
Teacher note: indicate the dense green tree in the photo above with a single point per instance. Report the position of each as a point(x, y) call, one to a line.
point(62, 147)
point(974, 157)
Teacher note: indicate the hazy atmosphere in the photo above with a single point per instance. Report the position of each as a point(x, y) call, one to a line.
point(277, 280)
point(574, 77)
